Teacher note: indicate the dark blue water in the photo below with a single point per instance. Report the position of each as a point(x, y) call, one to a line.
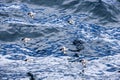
point(33, 34)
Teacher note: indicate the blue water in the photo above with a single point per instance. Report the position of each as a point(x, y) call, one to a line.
point(33, 34)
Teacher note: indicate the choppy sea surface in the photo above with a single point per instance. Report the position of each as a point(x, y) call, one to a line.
point(60, 40)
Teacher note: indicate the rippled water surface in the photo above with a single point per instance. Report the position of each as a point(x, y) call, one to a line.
point(59, 39)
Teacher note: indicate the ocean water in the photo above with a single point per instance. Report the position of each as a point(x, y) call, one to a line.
point(60, 40)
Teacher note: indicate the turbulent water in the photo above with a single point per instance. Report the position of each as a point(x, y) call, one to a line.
point(59, 39)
